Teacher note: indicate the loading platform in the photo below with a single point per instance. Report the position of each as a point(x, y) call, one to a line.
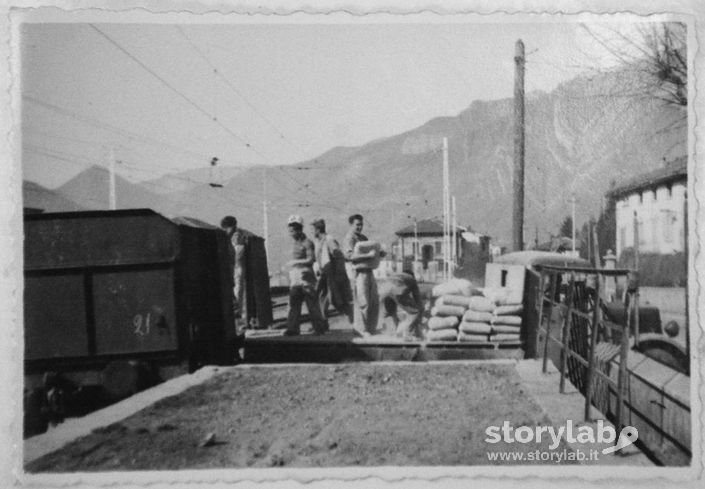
point(344, 345)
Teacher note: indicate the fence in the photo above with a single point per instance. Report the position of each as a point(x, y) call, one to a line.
point(570, 303)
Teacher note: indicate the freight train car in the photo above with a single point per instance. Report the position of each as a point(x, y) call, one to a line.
point(115, 301)
point(657, 398)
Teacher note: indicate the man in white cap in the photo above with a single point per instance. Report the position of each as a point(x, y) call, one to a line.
point(302, 281)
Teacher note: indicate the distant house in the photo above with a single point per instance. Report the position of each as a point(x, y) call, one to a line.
point(652, 204)
point(423, 241)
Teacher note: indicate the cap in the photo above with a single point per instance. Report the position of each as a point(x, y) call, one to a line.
point(295, 219)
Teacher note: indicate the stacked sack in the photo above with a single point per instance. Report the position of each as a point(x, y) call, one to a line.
point(506, 315)
point(477, 320)
point(451, 302)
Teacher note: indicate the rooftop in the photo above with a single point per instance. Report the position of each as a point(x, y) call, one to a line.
point(426, 227)
point(674, 170)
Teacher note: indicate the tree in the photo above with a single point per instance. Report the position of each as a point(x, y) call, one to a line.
point(657, 53)
point(607, 229)
point(566, 229)
point(585, 240)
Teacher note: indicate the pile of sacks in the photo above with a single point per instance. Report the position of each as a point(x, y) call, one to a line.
point(494, 316)
point(451, 301)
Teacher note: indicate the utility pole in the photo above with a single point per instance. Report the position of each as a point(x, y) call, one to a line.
point(265, 217)
point(446, 211)
point(636, 241)
point(536, 237)
point(453, 235)
point(685, 254)
point(112, 193)
point(572, 219)
point(416, 242)
point(518, 208)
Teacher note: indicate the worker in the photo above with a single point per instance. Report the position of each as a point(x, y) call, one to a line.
point(365, 285)
point(333, 286)
point(302, 281)
point(402, 303)
point(237, 253)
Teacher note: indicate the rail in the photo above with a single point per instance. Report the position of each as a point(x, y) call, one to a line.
point(571, 299)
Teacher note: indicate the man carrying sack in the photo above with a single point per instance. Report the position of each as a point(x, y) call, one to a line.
point(363, 257)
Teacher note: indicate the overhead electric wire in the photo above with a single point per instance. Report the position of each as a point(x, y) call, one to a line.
point(252, 106)
point(73, 158)
point(58, 156)
point(44, 152)
point(38, 132)
point(109, 127)
point(185, 97)
point(237, 92)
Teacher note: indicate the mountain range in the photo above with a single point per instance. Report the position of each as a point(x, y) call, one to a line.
point(581, 138)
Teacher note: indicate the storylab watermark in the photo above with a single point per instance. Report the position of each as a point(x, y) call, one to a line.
point(602, 433)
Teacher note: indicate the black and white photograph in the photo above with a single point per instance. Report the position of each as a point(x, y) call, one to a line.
point(252, 247)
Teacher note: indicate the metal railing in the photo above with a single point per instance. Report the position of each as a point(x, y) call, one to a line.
point(570, 303)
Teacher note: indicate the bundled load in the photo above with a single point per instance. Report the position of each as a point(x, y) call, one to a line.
point(507, 314)
point(493, 316)
point(456, 287)
point(364, 247)
point(476, 324)
point(451, 302)
point(461, 312)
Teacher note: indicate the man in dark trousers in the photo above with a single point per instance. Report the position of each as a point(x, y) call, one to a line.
point(402, 303)
point(333, 287)
point(237, 253)
point(362, 277)
point(302, 281)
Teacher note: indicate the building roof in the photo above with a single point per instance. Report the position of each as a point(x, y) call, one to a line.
point(675, 170)
point(426, 227)
point(534, 258)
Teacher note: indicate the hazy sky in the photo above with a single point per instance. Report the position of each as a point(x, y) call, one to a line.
point(260, 94)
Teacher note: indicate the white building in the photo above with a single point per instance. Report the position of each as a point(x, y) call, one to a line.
point(652, 206)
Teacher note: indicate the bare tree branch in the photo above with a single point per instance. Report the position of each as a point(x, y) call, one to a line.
point(658, 53)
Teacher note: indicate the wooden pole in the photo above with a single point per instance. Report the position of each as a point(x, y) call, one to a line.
point(622, 376)
point(596, 247)
point(635, 294)
point(416, 242)
point(565, 334)
point(685, 253)
point(446, 212)
point(112, 191)
point(265, 217)
point(572, 219)
point(518, 208)
point(454, 236)
point(542, 296)
point(589, 388)
point(554, 285)
point(636, 242)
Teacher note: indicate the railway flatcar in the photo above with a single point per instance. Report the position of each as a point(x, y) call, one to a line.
point(115, 301)
point(656, 385)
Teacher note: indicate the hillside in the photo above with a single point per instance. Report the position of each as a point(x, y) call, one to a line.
point(35, 196)
point(189, 179)
point(91, 189)
point(580, 137)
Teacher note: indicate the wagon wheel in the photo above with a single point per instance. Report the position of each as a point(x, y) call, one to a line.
point(123, 378)
point(35, 419)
